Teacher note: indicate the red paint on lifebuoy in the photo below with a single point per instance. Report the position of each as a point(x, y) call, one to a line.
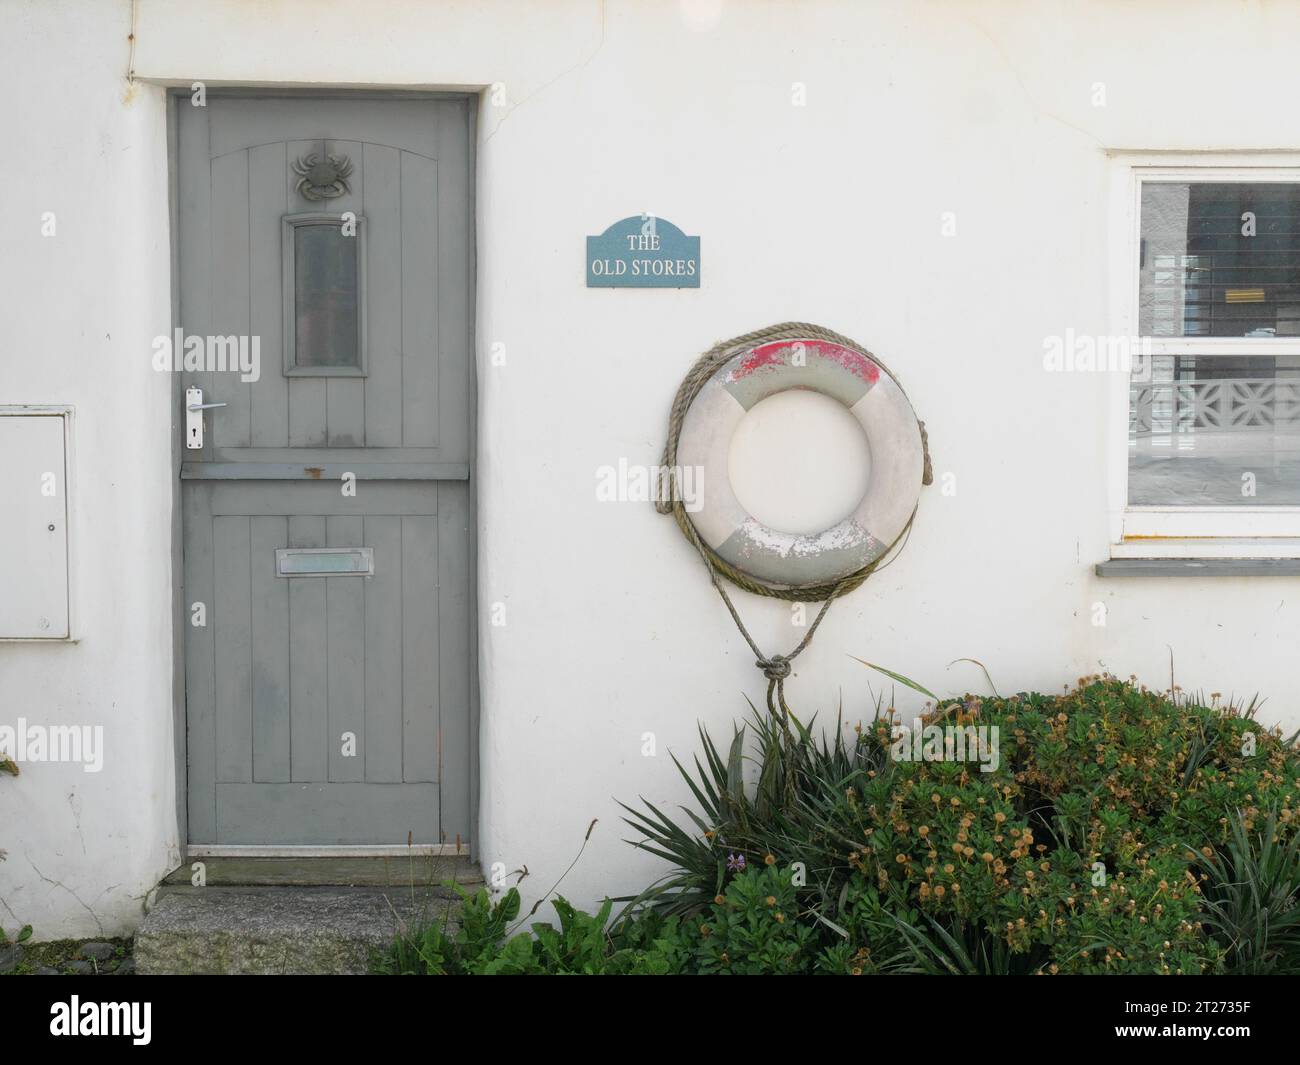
point(770, 356)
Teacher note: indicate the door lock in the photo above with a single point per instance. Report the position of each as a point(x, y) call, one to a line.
point(194, 408)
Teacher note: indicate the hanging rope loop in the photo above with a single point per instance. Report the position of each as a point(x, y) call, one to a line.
point(776, 668)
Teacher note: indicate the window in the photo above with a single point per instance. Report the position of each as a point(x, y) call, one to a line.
point(1211, 290)
point(324, 295)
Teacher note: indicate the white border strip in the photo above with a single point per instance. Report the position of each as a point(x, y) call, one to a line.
point(258, 850)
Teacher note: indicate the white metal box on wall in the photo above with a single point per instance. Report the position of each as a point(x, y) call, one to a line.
point(34, 586)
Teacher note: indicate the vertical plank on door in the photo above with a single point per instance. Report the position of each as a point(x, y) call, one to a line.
point(234, 687)
point(270, 398)
point(419, 301)
point(307, 419)
point(454, 293)
point(270, 635)
point(200, 674)
point(345, 397)
point(308, 673)
point(383, 664)
point(230, 426)
point(345, 622)
point(420, 648)
point(196, 249)
point(384, 288)
point(453, 659)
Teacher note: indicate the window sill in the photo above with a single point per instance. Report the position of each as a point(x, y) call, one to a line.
point(1199, 567)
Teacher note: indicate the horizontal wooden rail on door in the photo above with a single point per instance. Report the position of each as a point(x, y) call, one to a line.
point(363, 471)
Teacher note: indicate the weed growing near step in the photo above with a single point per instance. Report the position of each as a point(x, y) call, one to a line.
point(65, 957)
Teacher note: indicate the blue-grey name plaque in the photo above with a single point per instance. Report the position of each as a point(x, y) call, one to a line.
point(643, 251)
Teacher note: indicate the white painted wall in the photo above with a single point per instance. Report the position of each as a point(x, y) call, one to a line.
point(828, 213)
point(80, 310)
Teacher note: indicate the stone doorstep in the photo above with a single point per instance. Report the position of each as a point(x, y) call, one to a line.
point(259, 930)
point(267, 916)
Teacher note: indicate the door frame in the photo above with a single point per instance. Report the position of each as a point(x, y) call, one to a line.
point(176, 97)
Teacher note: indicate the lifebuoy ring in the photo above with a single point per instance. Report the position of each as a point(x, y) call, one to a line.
point(893, 433)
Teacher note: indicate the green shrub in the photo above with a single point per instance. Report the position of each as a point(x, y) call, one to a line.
point(484, 941)
point(1121, 831)
point(1072, 856)
point(752, 928)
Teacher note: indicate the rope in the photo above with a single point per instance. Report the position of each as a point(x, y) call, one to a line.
point(776, 668)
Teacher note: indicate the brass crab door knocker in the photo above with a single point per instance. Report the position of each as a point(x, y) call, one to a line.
point(323, 179)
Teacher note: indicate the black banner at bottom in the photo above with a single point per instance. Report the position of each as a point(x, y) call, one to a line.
point(302, 1013)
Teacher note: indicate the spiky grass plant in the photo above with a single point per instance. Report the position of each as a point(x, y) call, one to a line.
point(1252, 898)
point(792, 806)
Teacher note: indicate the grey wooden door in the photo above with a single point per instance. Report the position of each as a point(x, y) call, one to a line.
point(333, 233)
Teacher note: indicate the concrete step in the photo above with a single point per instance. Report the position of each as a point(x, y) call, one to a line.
point(284, 927)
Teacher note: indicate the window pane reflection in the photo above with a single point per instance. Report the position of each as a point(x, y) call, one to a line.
point(1220, 259)
point(1215, 431)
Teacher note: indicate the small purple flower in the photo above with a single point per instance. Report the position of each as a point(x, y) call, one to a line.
point(736, 863)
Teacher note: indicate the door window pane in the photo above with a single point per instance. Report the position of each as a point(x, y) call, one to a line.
point(326, 300)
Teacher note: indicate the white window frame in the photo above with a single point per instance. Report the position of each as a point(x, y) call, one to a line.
point(1183, 531)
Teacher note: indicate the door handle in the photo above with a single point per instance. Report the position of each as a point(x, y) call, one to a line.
point(194, 408)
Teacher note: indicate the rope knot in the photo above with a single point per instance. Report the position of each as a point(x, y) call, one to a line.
point(775, 668)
